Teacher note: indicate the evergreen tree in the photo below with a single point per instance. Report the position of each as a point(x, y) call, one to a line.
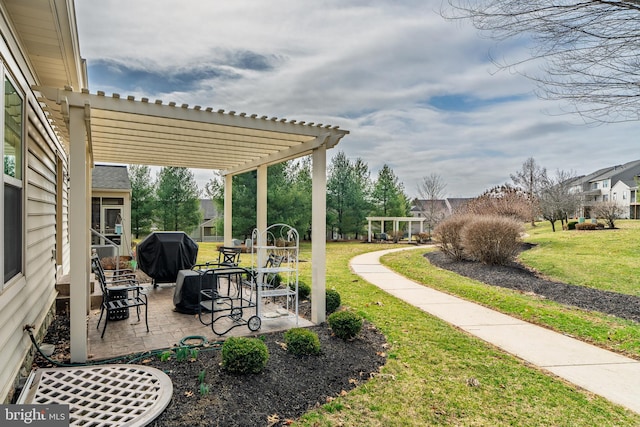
point(300, 189)
point(388, 195)
point(288, 197)
point(178, 205)
point(348, 189)
point(143, 199)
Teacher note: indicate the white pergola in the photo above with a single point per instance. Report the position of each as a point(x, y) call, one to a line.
point(99, 128)
point(115, 129)
point(396, 223)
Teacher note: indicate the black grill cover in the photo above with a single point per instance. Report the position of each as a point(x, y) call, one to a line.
point(163, 253)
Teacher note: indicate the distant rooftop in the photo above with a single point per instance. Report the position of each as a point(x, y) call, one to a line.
point(110, 177)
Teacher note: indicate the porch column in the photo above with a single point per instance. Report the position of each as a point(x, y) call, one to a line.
point(318, 234)
point(228, 204)
point(78, 235)
point(369, 240)
point(261, 199)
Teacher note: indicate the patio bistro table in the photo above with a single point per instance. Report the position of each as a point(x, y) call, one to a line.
point(187, 290)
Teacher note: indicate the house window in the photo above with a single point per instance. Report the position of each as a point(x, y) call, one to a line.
point(605, 184)
point(605, 198)
point(12, 181)
point(624, 195)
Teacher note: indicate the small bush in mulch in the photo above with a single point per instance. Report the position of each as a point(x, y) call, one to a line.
point(304, 290)
point(242, 355)
point(345, 324)
point(332, 300)
point(301, 342)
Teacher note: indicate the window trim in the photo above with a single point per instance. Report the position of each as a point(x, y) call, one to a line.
point(19, 183)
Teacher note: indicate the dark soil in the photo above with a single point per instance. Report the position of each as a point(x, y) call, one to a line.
point(517, 277)
point(288, 387)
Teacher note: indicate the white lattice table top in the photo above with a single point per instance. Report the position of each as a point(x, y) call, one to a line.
point(101, 396)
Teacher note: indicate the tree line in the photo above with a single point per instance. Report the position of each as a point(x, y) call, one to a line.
point(171, 201)
point(352, 195)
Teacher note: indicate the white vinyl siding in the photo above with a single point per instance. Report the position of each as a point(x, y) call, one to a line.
point(30, 301)
point(29, 297)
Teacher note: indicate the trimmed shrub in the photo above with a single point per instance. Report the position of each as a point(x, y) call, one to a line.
point(345, 324)
point(493, 240)
point(572, 225)
point(396, 236)
point(304, 290)
point(447, 234)
point(332, 300)
point(301, 341)
point(243, 355)
point(423, 237)
point(586, 226)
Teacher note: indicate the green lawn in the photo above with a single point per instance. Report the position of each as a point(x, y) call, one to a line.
point(430, 364)
point(603, 259)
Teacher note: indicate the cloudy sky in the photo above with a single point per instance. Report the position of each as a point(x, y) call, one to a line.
point(417, 92)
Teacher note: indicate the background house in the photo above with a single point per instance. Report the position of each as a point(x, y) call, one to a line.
point(111, 208)
point(613, 183)
point(207, 231)
point(435, 210)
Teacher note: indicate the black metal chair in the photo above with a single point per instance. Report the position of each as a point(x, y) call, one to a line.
point(119, 294)
point(229, 256)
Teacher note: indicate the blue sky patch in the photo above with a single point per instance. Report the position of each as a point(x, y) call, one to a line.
point(466, 103)
point(106, 73)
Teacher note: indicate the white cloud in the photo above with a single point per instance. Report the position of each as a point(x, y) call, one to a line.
point(369, 67)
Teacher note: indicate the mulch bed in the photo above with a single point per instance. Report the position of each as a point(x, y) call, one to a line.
point(517, 277)
point(288, 387)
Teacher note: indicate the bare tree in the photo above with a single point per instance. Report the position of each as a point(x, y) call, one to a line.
point(430, 190)
point(557, 200)
point(610, 211)
point(589, 49)
point(530, 179)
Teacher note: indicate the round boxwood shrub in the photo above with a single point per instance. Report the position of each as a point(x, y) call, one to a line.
point(332, 301)
point(243, 355)
point(301, 341)
point(304, 290)
point(345, 324)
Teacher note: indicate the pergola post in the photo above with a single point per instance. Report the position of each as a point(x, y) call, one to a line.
point(261, 202)
point(228, 205)
point(318, 234)
point(78, 234)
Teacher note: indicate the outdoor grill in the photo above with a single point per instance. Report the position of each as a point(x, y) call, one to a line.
point(162, 254)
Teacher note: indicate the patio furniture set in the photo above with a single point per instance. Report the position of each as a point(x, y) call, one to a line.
point(222, 294)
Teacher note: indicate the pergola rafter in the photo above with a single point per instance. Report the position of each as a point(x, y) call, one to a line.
point(98, 128)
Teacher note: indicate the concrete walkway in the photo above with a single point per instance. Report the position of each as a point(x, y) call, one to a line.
point(602, 372)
